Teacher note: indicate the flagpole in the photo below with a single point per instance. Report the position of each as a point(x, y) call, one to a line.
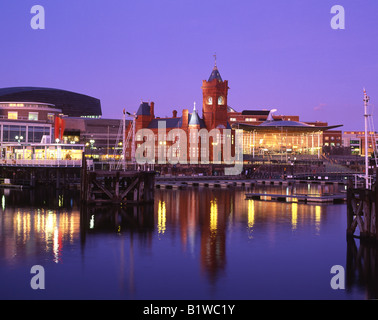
point(366, 100)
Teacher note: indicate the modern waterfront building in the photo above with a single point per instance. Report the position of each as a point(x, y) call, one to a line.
point(32, 132)
point(32, 125)
point(282, 137)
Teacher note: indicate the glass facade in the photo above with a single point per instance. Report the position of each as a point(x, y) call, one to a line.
point(277, 143)
point(24, 133)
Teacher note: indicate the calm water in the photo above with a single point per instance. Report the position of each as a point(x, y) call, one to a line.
point(191, 244)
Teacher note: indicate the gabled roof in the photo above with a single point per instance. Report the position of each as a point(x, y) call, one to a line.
point(144, 109)
point(169, 123)
point(172, 123)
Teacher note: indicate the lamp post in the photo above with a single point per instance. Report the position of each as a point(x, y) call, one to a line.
point(19, 139)
point(92, 142)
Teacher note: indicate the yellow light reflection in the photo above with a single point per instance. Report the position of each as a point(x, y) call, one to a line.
point(318, 210)
point(162, 219)
point(294, 215)
point(47, 228)
point(213, 216)
point(56, 247)
point(251, 216)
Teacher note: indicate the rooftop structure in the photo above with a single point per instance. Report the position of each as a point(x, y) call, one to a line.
point(70, 103)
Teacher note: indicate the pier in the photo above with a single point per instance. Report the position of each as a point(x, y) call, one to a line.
point(106, 187)
point(362, 213)
point(304, 198)
point(181, 182)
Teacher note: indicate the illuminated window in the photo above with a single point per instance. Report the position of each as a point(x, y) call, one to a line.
point(12, 115)
point(33, 116)
point(50, 117)
point(232, 119)
point(250, 119)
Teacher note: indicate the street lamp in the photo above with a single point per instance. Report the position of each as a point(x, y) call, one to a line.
point(19, 138)
point(92, 143)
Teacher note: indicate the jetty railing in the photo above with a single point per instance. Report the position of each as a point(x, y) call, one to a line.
point(39, 163)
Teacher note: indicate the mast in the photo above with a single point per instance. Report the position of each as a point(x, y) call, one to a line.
point(133, 143)
point(133, 128)
point(366, 100)
point(124, 140)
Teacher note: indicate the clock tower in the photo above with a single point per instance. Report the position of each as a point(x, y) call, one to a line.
point(214, 107)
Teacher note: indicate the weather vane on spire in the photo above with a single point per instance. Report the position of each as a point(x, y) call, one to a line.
point(215, 59)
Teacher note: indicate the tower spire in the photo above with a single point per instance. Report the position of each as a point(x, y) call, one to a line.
point(215, 73)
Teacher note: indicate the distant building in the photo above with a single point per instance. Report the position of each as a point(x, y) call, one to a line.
point(356, 141)
point(102, 138)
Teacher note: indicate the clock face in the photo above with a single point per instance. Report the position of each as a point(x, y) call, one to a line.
point(209, 100)
point(220, 100)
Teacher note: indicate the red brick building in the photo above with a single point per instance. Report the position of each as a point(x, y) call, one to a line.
point(218, 118)
point(193, 149)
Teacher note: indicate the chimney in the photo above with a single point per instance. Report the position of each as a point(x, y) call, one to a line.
point(152, 109)
point(185, 118)
point(174, 113)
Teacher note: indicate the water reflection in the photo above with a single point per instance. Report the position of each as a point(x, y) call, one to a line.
point(251, 217)
point(361, 270)
point(36, 231)
point(213, 225)
point(162, 219)
point(294, 215)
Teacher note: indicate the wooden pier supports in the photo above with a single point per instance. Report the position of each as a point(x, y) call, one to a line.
point(117, 187)
point(362, 213)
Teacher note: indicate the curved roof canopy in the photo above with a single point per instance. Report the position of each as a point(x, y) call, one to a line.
point(72, 104)
point(272, 126)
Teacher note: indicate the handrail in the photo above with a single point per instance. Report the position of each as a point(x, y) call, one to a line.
point(40, 163)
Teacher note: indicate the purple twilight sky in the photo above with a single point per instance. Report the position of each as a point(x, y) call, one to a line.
point(274, 53)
